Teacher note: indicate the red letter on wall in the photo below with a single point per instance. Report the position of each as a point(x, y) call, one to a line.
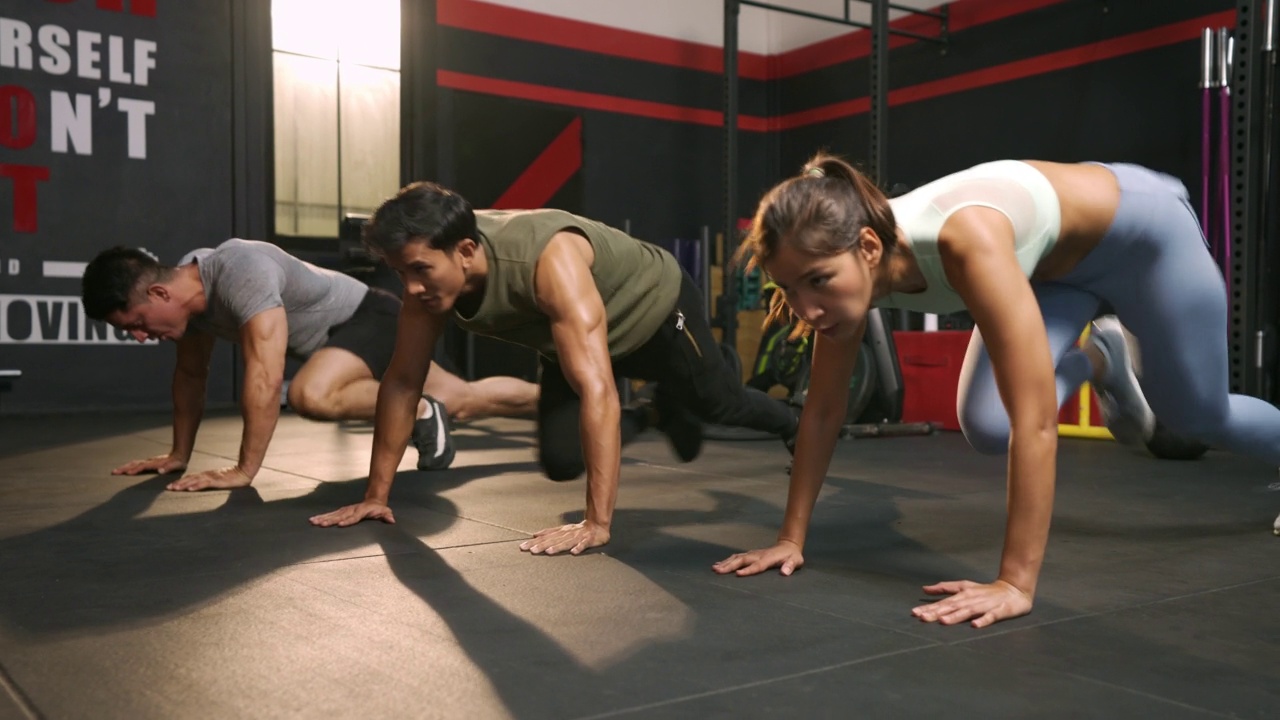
point(24, 179)
point(17, 129)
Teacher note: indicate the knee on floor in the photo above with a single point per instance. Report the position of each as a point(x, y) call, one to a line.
point(1207, 425)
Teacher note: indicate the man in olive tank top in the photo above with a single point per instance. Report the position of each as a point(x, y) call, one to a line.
point(594, 302)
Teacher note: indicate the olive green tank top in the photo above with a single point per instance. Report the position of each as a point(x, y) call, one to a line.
point(638, 281)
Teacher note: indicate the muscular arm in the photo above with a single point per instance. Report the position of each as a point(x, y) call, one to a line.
point(190, 377)
point(566, 292)
point(416, 334)
point(977, 250)
point(188, 387)
point(398, 393)
point(263, 340)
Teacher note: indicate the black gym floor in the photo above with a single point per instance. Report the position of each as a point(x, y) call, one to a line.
point(1160, 596)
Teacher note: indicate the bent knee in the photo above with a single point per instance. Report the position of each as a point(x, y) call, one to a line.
point(311, 404)
point(988, 435)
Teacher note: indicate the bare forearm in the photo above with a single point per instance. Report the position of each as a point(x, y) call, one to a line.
point(188, 409)
point(819, 430)
point(1030, 507)
point(392, 428)
point(601, 451)
point(260, 405)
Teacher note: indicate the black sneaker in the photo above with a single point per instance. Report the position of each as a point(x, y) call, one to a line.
point(681, 426)
point(432, 436)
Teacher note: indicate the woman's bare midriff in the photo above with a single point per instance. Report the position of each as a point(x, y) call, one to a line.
point(1088, 196)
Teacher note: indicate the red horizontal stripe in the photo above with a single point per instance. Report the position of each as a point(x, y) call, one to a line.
point(589, 37)
point(834, 111)
point(1094, 52)
point(593, 101)
point(962, 15)
point(520, 24)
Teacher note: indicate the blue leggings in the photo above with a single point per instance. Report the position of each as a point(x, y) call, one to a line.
point(1155, 270)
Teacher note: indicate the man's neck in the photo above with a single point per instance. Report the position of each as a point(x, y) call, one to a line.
point(188, 286)
point(477, 275)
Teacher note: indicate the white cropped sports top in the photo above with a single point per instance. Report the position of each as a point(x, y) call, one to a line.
point(1014, 188)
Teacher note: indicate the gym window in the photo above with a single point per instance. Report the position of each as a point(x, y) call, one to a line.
point(336, 83)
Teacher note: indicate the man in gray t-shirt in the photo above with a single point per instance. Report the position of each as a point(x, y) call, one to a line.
point(242, 278)
point(274, 305)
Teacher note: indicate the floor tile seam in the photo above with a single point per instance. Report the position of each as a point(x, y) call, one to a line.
point(685, 470)
point(1210, 591)
point(213, 573)
point(749, 685)
point(265, 466)
point(1095, 681)
point(765, 480)
point(1002, 631)
point(60, 446)
point(459, 546)
point(364, 608)
point(15, 693)
point(819, 611)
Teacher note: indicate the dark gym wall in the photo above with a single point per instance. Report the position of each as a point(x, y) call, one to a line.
point(651, 111)
point(1073, 80)
point(146, 89)
point(1053, 79)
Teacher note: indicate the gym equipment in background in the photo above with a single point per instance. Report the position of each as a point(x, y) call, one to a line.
point(1216, 47)
point(876, 388)
point(1208, 81)
point(1225, 44)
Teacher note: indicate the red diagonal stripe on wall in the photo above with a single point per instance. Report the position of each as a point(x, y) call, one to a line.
point(1020, 69)
point(548, 173)
point(592, 101)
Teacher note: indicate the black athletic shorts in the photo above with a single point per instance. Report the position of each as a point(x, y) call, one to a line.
point(370, 333)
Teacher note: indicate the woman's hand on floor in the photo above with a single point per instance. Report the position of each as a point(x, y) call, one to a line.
point(983, 604)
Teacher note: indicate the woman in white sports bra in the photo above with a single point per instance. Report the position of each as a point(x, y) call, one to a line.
point(1030, 250)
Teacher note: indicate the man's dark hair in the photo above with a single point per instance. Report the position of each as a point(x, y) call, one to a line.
point(420, 212)
point(112, 279)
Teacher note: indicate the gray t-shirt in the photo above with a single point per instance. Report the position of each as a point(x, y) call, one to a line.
point(245, 277)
